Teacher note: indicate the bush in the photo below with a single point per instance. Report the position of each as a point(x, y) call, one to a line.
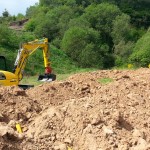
point(141, 52)
point(30, 25)
point(8, 38)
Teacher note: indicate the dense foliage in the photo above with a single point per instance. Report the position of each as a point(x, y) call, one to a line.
point(92, 33)
point(141, 52)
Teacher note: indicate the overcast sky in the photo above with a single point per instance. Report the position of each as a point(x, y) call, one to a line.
point(16, 6)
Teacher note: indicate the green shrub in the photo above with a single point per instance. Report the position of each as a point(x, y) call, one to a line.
point(141, 52)
point(8, 38)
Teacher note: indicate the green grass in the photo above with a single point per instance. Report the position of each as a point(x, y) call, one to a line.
point(105, 81)
point(80, 70)
point(32, 80)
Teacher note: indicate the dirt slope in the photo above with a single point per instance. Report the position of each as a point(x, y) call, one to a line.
point(79, 113)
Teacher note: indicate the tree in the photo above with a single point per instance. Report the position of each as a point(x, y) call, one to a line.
point(52, 3)
point(141, 52)
point(121, 29)
point(53, 24)
point(79, 22)
point(83, 46)
point(138, 10)
point(46, 25)
point(45, 2)
point(101, 17)
point(32, 11)
point(5, 13)
point(20, 16)
point(122, 38)
point(8, 38)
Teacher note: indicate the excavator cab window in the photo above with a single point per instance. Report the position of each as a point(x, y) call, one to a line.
point(3, 63)
point(2, 76)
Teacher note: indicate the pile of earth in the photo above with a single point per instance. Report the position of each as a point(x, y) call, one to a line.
point(80, 113)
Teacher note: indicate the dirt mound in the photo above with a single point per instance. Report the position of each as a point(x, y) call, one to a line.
point(80, 113)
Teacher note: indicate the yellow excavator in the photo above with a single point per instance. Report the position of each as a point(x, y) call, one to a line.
point(13, 78)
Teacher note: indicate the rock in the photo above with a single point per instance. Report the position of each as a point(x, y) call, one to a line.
point(45, 134)
point(8, 133)
point(53, 138)
point(137, 134)
point(60, 146)
point(10, 110)
point(21, 136)
point(123, 147)
point(1, 118)
point(30, 135)
point(96, 119)
point(12, 124)
point(107, 131)
point(29, 115)
point(19, 92)
point(1, 96)
point(116, 116)
point(88, 129)
point(141, 145)
point(88, 105)
point(85, 87)
point(126, 76)
point(24, 129)
point(68, 141)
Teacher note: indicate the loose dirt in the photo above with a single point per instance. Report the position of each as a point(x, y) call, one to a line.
point(79, 113)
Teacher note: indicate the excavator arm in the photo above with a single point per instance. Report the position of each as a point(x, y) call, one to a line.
point(28, 49)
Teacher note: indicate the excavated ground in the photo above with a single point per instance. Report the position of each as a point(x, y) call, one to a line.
point(80, 113)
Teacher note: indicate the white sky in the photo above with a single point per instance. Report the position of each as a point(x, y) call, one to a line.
point(16, 6)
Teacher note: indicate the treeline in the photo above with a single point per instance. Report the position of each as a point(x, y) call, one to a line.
point(10, 40)
point(94, 33)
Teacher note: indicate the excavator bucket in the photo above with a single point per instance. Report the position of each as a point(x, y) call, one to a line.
point(47, 77)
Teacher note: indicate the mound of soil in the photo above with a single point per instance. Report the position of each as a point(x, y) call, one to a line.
point(80, 113)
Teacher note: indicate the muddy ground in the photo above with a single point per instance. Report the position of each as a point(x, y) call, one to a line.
point(80, 113)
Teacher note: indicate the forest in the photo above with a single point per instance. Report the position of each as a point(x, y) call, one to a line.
point(100, 34)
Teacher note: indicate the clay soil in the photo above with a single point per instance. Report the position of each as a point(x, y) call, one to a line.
point(80, 113)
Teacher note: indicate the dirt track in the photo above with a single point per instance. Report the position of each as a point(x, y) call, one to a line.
point(79, 113)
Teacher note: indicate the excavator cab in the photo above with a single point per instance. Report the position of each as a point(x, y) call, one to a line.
point(3, 63)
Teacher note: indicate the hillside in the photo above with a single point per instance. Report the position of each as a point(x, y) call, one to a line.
point(81, 112)
point(91, 34)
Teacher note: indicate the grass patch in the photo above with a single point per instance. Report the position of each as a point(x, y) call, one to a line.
point(126, 67)
point(32, 80)
point(105, 81)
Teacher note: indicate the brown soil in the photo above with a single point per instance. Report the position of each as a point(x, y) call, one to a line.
point(79, 114)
